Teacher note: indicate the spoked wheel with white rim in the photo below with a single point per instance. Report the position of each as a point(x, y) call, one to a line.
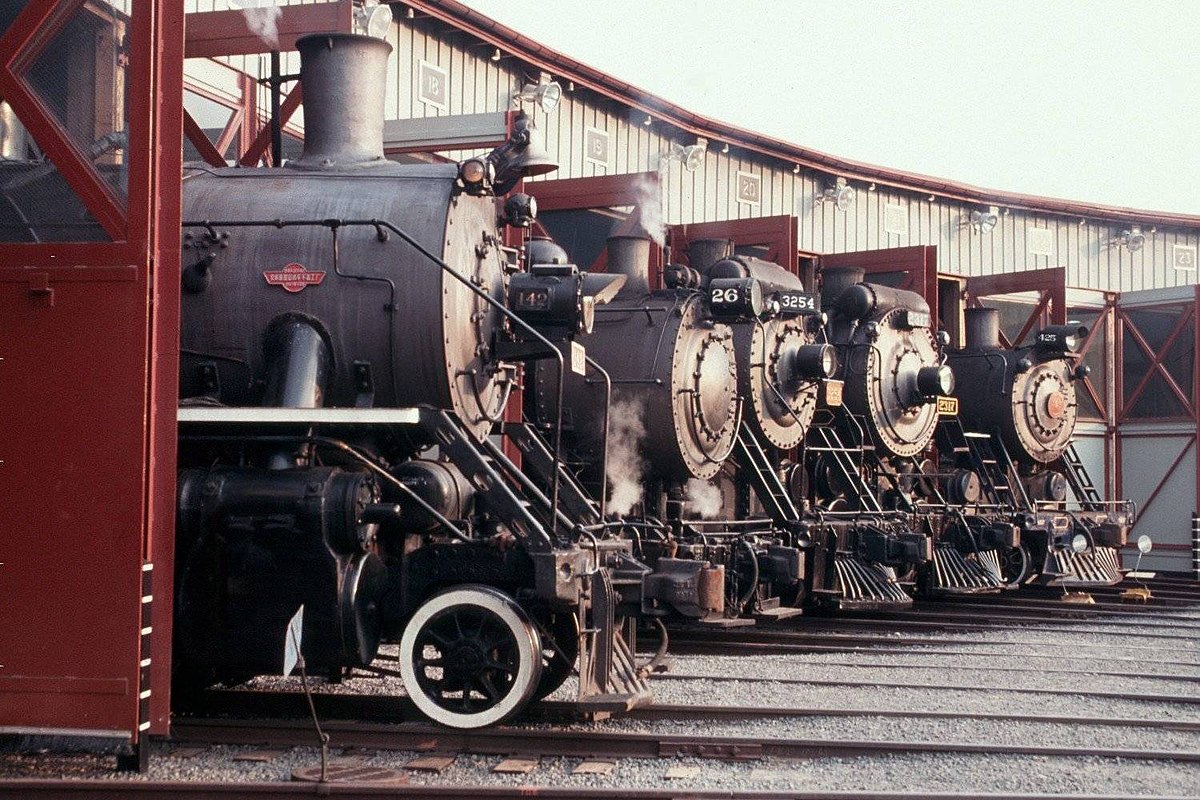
point(470, 657)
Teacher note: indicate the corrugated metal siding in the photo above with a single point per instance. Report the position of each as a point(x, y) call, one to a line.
point(478, 84)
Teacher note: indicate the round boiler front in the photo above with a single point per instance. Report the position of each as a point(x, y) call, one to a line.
point(1044, 409)
point(778, 406)
point(882, 384)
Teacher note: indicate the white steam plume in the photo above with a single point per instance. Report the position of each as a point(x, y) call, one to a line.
point(704, 499)
point(649, 204)
point(625, 465)
point(262, 16)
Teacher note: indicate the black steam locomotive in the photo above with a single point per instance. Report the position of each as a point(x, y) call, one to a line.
point(727, 445)
point(351, 332)
point(1012, 446)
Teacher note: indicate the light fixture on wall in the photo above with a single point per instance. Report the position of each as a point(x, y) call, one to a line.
point(546, 93)
point(1131, 239)
point(495, 54)
point(980, 221)
point(373, 19)
point(841, 194)
point(725, 147)
point(691, 156)
point(647, 120)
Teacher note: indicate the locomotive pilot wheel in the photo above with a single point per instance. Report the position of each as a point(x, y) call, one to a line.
point(470, 657)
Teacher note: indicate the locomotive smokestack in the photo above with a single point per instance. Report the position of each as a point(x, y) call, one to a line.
point(343, 76)
point(983, 328)
point(630, 256)
point(703, 253)
point(837, 280)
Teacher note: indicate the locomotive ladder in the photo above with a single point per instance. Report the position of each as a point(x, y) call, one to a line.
point(767, 485)
point(497, 479)
point(832, 443)
point(986, 463)
point(1081, 482)
point(995, 444)
point(536, 457)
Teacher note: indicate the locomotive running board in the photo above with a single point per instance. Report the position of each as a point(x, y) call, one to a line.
point(1100, 566)
point(953, 573)
point(862, 587)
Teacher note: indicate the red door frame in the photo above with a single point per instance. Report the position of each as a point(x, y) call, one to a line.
point(134, 442)
point(778, 234)
point(1192, 405)
point(918, 263)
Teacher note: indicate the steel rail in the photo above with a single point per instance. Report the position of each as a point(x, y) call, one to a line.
point(44, 789)
point(1020, 604)
point(611, 744)
point(1057, 691)
point(936, 623)
point(393, 708)
point(701, 645)
point(797, 637)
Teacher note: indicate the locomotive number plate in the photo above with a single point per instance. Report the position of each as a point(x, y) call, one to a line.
point(915, 319)
point(947, 406)
point(831, 393)
point(799, 302)
point(578, 359)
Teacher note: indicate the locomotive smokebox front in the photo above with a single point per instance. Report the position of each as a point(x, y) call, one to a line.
point(674, 375)
point(400, 332)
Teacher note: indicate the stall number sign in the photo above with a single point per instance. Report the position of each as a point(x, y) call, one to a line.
point(434, 88)
point(799, 302)
point(947, 406)
point(1039, 241)
point(1183, 257)
point(749, 188)
point(595, 147)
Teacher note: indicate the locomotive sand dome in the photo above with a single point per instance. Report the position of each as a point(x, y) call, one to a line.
point(779, 365)
point(1031, 401)
point(406, 332)
point(664, 355)
point(890, 361)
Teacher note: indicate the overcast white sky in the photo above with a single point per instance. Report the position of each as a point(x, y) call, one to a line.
point(1094, 101)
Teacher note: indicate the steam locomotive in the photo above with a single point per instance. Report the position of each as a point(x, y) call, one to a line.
point(351, 330)
point(727, 445)
point(1012, 445)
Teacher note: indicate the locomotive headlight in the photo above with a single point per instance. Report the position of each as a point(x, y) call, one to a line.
point(1079, 543)
point(473, 172)
point(520, 210)
point(934, 381)
point(814, 361)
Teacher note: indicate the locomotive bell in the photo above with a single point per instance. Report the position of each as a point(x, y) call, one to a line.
point(522, 156)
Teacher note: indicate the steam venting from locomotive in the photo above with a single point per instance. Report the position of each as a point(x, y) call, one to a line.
point(625, 464)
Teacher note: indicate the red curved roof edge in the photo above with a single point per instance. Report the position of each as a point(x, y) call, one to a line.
point(498, 35)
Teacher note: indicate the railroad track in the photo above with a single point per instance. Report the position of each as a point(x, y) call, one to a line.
point(390, 708)
point(157, 790)
point(601, 743)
